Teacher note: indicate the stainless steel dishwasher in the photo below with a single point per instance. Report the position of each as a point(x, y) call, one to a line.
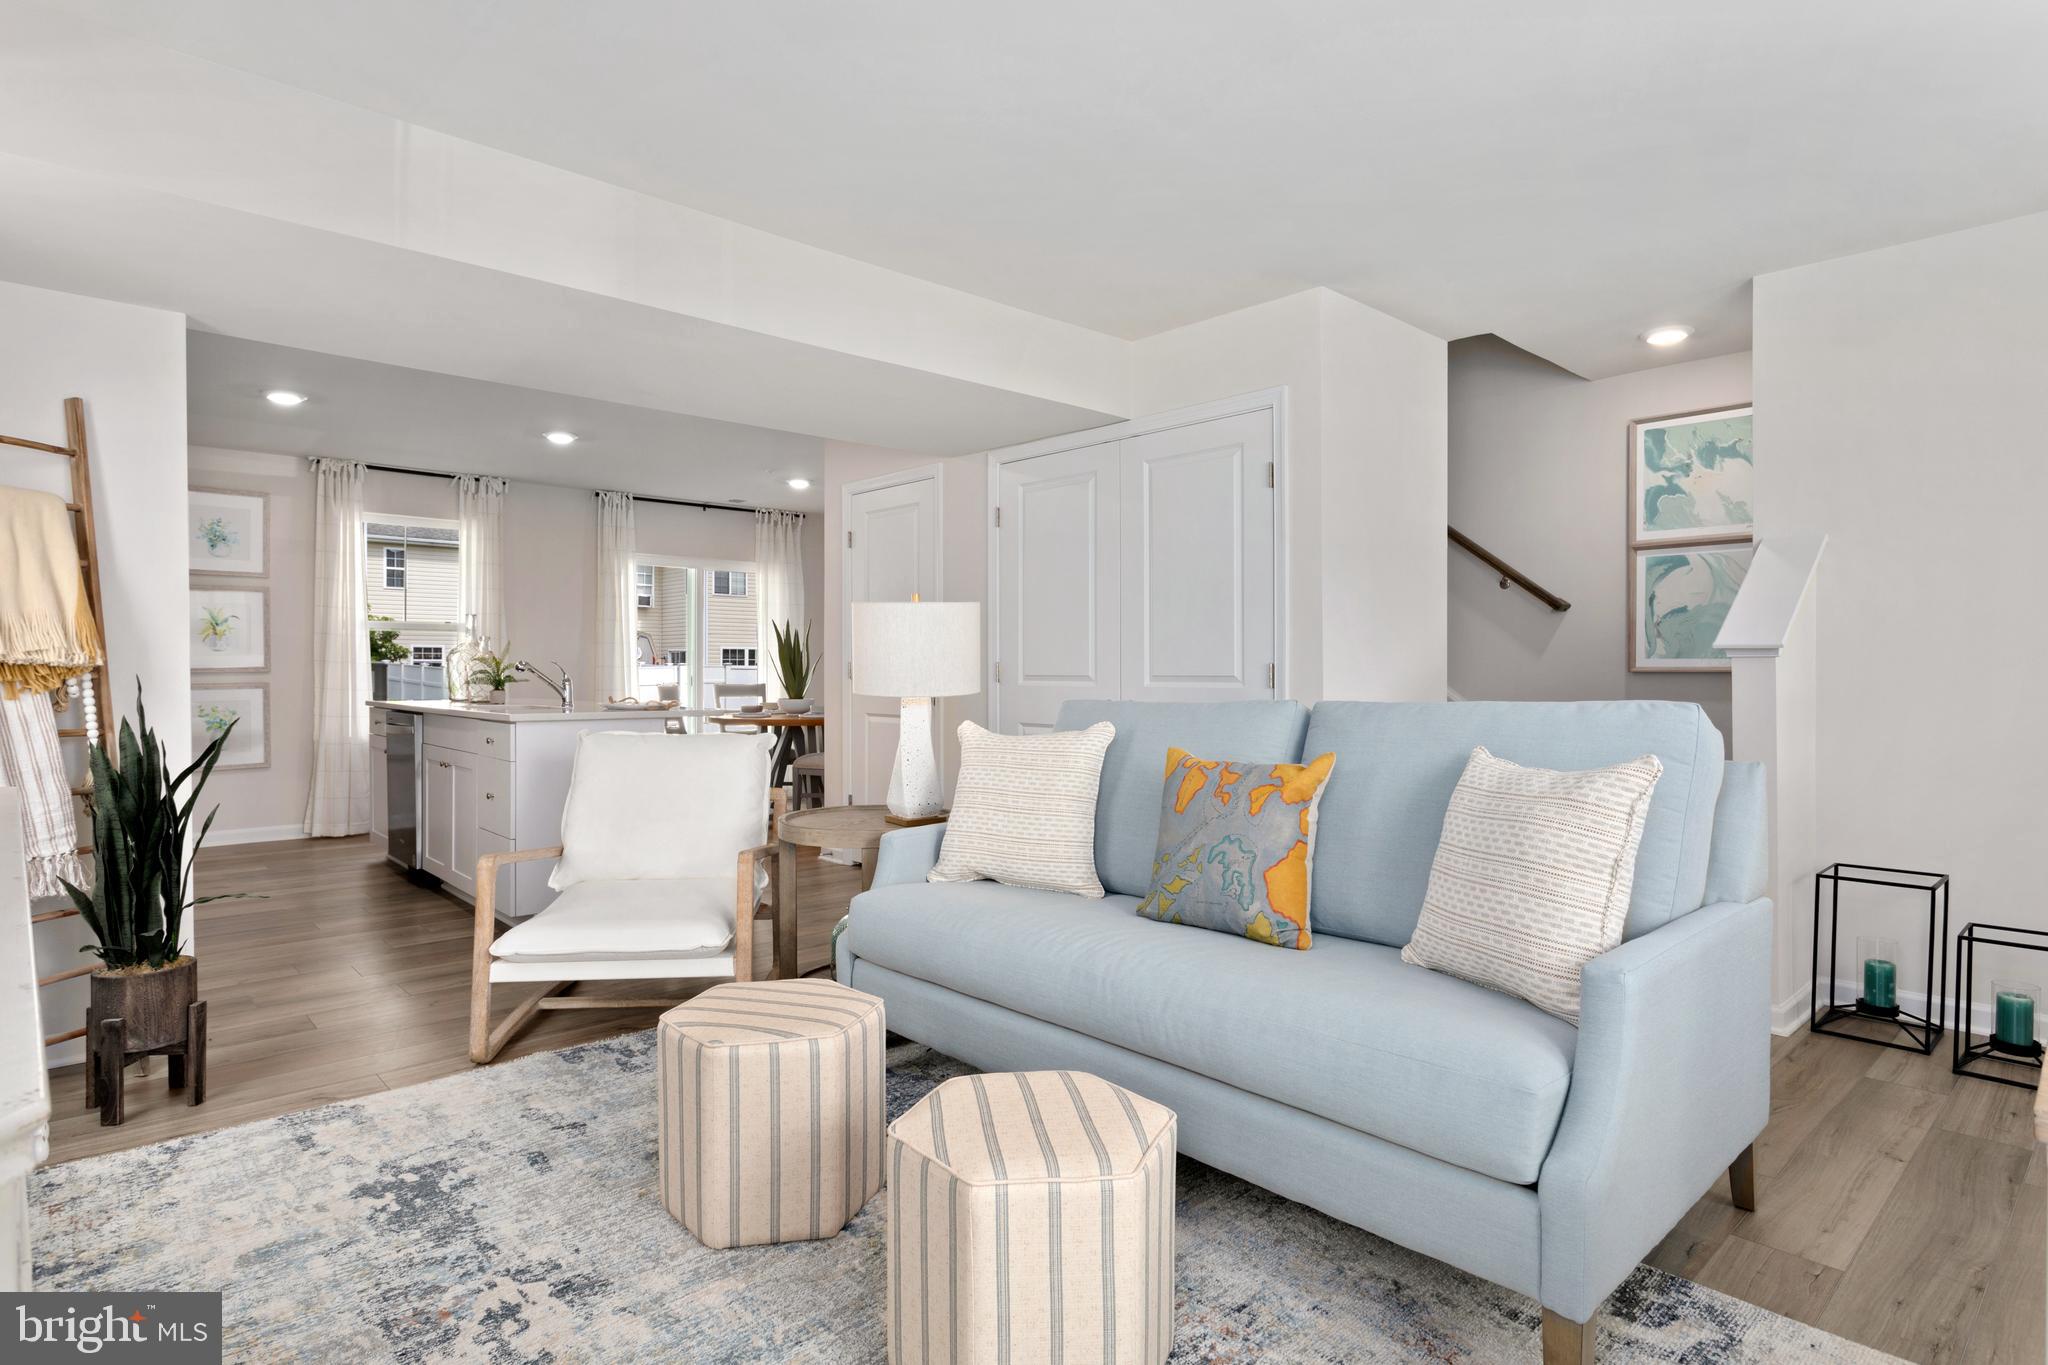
point(401, 788)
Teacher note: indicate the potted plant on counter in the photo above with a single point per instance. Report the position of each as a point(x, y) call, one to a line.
point(384, 652)
point(494, 672)
point(793, 664)
point(145, 993)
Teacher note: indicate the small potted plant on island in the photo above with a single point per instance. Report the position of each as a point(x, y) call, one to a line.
point(495, 672)
point(384, 652)
point(145, 993)
point(793, 664)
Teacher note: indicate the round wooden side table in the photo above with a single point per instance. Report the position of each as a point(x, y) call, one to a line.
point(856, 827)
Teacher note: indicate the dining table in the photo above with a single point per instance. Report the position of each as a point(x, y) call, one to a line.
point(792, 735)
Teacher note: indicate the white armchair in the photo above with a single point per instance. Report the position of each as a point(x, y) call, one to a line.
point(664, 862)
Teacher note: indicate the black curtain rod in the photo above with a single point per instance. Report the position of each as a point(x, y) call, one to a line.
point(636, 497)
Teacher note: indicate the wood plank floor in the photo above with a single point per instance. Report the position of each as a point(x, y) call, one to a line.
point(1897, 1205)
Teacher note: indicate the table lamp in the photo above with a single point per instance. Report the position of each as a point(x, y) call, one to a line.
point(915, 651)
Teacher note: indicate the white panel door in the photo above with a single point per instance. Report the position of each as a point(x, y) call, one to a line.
point(894, 552)
point(1198, 575)
point(1058, 584)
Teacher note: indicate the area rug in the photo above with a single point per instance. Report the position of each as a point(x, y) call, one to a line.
point(511, 1214)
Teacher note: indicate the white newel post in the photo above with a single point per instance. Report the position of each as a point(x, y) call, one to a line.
point(1771, 639)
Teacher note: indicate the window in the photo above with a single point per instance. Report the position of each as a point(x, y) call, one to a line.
point(426, 654)
point(412, 583)
point(643, 585)
point(729, 583)
point(394, 566)
point(738, 658)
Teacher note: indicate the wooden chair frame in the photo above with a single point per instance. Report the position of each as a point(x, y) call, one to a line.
point(485, 1041)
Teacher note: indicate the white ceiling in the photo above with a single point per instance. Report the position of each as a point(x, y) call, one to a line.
point(1563, 175)
point(387, 414)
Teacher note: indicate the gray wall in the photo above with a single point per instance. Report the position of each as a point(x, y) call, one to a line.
point(1539, 475)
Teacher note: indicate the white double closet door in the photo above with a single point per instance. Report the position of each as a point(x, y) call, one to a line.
point(1142, 569)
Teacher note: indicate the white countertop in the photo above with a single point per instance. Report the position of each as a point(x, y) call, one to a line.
point(518, 712)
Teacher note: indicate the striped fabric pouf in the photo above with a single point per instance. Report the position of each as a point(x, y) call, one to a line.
point(771, 1109)
point(1031, 1220)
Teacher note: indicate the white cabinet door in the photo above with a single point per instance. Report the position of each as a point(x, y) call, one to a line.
point(437, 811)
point(448, 827)
point(894, 552)
point(1059, 579)
point(1197, 559)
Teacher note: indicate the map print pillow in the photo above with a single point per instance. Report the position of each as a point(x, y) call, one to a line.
point(1236, 846)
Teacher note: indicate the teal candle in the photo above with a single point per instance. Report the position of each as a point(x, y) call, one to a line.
point(2015, 1019)
point(1880, 983)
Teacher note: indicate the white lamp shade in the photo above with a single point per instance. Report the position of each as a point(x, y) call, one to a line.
point(916, 649)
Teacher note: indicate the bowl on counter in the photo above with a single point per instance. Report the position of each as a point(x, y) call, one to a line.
point(794, 706)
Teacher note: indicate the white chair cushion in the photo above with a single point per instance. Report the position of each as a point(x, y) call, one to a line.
point(657, 807)
point(626, 921)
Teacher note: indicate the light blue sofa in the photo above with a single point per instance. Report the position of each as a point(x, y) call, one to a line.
point(1463, 1123)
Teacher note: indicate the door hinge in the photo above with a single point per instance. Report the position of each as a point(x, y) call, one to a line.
point(999, 670)
point(849, 670)
point(849, 540)
point(1272, 675)
point(1270, 474)
point(999, 517)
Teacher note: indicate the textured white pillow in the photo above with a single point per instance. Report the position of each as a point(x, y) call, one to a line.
point(653, 807)
point(1532, 876)
point(1024, 809)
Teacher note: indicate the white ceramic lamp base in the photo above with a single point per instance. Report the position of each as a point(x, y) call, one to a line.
point(914, 789)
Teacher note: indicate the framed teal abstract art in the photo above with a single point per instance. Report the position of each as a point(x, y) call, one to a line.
point(1691, 477)
point(1679, 596)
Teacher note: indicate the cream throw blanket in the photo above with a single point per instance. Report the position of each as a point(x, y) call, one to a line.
point(30, 761)
point(47, 633)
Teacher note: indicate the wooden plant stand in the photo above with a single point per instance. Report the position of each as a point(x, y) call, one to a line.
point(144, 1016)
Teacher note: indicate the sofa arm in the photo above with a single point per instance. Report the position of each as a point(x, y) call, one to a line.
point(907, 854)
point(1671, 1082)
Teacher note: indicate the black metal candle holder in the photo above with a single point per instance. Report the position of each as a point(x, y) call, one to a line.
point(1920, 1031)
point(1969, 1054)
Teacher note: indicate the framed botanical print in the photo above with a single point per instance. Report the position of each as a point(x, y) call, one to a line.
point(1691, 477)
point(230, 630)
point(246, 706)
point(227, 532)
point(1679, 597)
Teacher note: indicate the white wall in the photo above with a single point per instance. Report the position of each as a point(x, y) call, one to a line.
point(1539, 475)
point(1898, 403)
point(128, 364)
point(1365, 497)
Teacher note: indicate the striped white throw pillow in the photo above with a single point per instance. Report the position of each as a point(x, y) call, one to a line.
point(1024, 810)
point(1532, 876)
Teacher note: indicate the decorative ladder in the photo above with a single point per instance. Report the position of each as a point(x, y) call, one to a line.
point(95, 685)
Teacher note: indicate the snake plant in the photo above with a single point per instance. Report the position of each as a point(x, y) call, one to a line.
point(793, 658)
point(143, 870)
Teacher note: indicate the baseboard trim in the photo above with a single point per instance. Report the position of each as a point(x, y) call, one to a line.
point(256, 834)
point(1793, 1014)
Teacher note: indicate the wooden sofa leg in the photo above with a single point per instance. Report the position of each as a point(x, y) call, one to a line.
point(1742, 1179)
point(1566, 1342)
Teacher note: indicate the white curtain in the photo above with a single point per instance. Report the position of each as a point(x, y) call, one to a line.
point(616, 673)
point(339, 800)
point(480, 508)
point(779, 559)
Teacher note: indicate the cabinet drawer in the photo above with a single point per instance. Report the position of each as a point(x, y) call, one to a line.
point(494, 797)
point(453, 732)
point(494, 740)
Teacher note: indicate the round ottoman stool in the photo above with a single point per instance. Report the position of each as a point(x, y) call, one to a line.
point(770, 1110)
point(1031, 1220)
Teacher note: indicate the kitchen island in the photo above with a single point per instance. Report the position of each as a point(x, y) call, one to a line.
point(451, 781)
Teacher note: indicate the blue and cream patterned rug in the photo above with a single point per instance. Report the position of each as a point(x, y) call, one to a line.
point(512, 1214)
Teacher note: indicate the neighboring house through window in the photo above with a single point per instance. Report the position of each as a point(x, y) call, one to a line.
point(394, 566)
point(738, 658)
point(413, 583)
point(643, 585)
point(427, 654)
point(729, 582)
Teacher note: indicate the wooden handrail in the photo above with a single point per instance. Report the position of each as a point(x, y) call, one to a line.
point(1508, 572)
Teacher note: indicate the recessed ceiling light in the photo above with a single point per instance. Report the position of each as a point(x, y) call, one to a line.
point(559, 438)
point(285, 398)
point(799, 484)
point(1667, 336)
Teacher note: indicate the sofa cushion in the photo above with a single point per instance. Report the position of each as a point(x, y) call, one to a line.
point(1024, 810)
point(1382, 812)
point(1127, 811)
point(1348, 1031)
point(625, 921)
